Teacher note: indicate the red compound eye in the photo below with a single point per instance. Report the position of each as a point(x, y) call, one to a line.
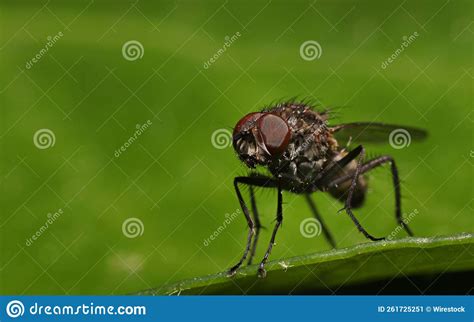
point(247, 122)
point(275, 132)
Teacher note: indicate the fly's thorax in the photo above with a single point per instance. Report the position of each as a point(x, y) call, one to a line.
point(308, 152)
point(305, 157)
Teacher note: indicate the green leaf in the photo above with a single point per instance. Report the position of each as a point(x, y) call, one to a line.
point(333, 269)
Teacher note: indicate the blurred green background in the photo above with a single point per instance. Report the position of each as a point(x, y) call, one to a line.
point(172, 178)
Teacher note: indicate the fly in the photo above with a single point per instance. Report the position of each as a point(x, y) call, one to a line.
point(304, 154)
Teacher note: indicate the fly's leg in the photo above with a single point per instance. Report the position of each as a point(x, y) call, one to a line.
point(257, 223)
point(369, 165)
point(250, 223)
point(318, 217)
point(259, 181)
point(326, 181)
point(350, 194)
point(279, 219)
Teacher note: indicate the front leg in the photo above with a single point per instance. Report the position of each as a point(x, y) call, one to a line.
point(279, 219)
point(257, 181)
point(258, 225)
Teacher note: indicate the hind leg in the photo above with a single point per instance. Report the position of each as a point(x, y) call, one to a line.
point(372, 164)
point(329, 177)
point(318, 217)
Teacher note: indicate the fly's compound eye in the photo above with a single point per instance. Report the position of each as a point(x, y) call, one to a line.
point(275, 132)
point(246, 123)
point(244, 126)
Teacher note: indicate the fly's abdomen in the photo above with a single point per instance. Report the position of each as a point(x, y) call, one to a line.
point(358, 196)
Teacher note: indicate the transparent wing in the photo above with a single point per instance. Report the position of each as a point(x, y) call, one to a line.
point(373, 132)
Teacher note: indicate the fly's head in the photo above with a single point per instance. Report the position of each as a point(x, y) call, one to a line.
point(259, 138)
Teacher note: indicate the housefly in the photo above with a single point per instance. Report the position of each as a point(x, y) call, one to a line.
point(304, 154)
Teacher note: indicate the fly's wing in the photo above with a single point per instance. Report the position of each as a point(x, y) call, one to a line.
point(373, 132)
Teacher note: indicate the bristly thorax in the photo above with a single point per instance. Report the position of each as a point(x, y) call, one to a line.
point(311, 146)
